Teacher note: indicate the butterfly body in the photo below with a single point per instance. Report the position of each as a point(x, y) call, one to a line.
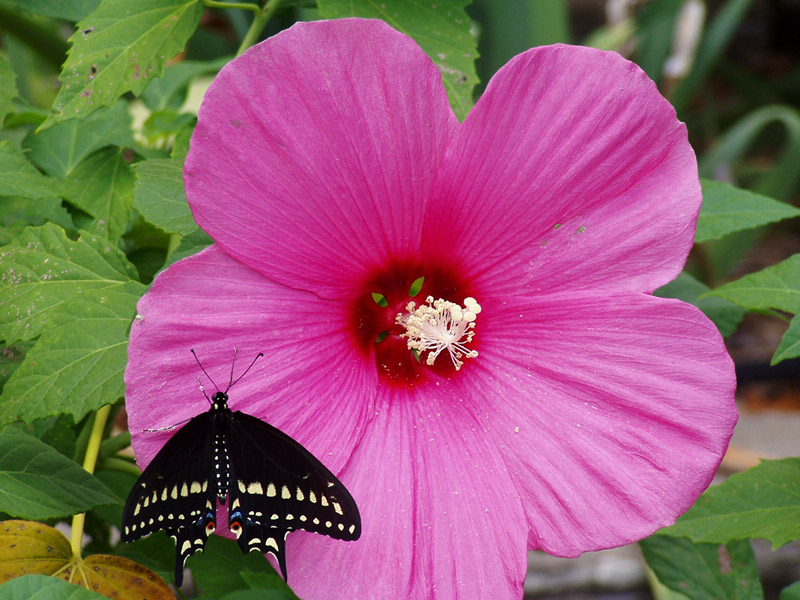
point(271, 483)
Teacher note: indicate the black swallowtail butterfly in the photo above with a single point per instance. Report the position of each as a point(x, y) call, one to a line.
point(272, 484)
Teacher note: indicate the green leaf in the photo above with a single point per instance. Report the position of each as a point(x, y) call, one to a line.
point(790, 343)
point(762, 502)
point(725, 315)
point(20, 178)
point(160, 195)
point(102, 185)
point(78, 365)
point(791, 592)
point(59, 149)
point(441, 28)
point(164, 92)
point(259, 594)
point(38, 482)
point(42, 268)
point(727, 209)
point(42, 587)
point(776, 287)
point(17, 213)
point(119, 48)
point(156, 551)
point(190, 245)
point(162, 126)
point(222, 569)
point(70, 10)
point(11, 358)
point(704, 571)
point(8, 88)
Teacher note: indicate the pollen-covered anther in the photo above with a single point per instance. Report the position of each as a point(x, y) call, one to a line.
point(441, 325)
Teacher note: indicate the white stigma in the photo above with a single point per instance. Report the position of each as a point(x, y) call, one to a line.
point(440, 325)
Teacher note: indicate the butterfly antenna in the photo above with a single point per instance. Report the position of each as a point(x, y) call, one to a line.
point(259, 355)
point(206, 374)
point(202, 389)
point(233, 364)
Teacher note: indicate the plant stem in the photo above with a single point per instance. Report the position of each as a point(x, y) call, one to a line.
point(257, 26)
point(240, 5)
point(89, 463)
point(118, 464)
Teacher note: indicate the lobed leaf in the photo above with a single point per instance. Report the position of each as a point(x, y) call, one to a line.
point(42, 587)
point(762, 502)
point(704, 571)
point(102, 186)
point(160, 195)
point(38, 482)
point(8, 88)
point(119, 48)
point(20, 178)
point(727, 209)
point(78, 365)
point(60, 149)
point(441, 28)
point(42, 268)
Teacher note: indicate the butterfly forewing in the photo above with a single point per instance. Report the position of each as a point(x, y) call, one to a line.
point(176, 492)
point(278, 486)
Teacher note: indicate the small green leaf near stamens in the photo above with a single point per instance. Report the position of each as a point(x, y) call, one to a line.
point(416, 287)
point(381, 336)
point(415, 352)
point(380, 299)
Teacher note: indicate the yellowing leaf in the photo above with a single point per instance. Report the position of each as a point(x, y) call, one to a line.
point(118, 577)
point(28, 547)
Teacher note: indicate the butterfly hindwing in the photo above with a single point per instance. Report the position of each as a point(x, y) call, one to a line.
point(176, 492)
point(278, 486)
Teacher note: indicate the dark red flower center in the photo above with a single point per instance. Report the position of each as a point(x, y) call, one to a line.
point(375, 324)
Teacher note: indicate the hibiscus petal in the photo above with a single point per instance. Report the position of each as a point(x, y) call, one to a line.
point(571, 172)
point(308, 384)
point(614, 412)
point(439, 512)
point(321, 145)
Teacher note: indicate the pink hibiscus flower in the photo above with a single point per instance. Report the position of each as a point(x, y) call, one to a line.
point(568, 409)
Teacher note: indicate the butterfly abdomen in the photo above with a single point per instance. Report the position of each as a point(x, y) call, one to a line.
point(222, 464)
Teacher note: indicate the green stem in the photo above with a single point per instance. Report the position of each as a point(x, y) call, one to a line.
point(89, 463)
point(118, 464)
point(239, 5)
point(258, 24)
